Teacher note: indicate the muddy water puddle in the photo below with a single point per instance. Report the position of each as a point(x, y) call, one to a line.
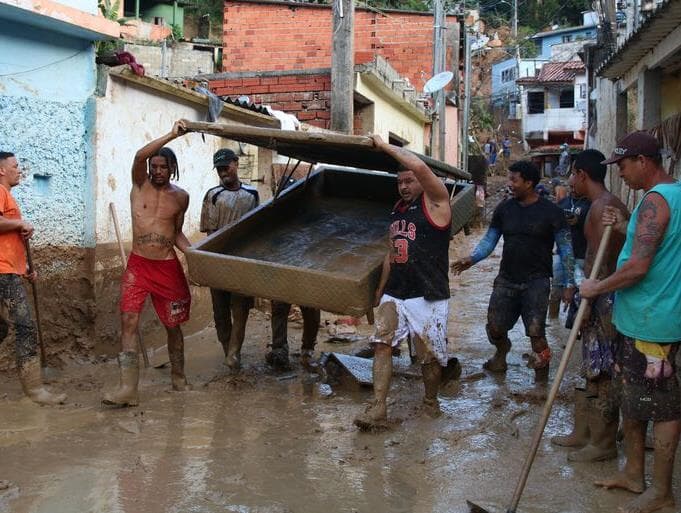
point(261, 442)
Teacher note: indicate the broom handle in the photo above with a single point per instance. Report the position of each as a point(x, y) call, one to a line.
point(539, 432)
point(124, 259)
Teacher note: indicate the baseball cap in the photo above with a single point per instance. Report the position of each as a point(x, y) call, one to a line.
point(634, 144)
point(223, 157)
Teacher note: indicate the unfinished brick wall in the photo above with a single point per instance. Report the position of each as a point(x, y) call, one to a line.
point(270, 36)
point(306, 96)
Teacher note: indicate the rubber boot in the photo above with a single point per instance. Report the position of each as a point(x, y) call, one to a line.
point(432, 374)
point(579, 436)
point(177, 376)
point(375, 417)
point(126, 393)
point(278, 357)
point(32, 383)
point(240, 308)
point(602, 444)
point(498, 362)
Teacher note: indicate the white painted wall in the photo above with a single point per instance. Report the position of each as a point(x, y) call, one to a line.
point(128, 117)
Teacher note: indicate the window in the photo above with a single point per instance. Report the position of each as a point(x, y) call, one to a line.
point(567, 98)
point(508, 75)
point(535, 102)
point(566, 39)
point(582, 91)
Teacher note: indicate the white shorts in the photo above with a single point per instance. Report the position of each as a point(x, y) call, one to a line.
point(425, 322)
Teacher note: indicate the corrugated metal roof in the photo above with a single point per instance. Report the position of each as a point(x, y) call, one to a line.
point(556, 72)
point(651, 32)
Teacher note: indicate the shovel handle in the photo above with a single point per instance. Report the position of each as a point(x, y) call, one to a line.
point(34, 288)
point(546, 412)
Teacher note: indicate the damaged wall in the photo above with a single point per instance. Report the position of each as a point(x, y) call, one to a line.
point(128, 117)
point(48, 121)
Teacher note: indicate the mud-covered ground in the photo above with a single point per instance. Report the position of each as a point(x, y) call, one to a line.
point(265, 442)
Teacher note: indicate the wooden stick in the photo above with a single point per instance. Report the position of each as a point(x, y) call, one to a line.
point(34, 286)
point(539, 432)
point(124, 259)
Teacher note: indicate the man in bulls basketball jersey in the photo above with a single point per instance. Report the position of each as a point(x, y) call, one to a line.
point(413, 292)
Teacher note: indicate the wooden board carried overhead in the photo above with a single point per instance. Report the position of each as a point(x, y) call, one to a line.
point(315, 147)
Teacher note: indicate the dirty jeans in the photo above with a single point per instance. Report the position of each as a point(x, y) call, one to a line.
point(311, 317)
point(510, 300)
point(15, 313)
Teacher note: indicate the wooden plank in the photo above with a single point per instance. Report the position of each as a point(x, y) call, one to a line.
point(315, 147)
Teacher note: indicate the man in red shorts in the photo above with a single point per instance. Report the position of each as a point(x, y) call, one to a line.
point(158, 209)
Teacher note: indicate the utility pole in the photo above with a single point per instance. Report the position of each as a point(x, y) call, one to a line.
point(467, 97)
point(438, 129)
point(342, 66)
point(453, 37)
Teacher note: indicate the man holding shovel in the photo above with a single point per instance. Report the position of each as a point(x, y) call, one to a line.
point(413, 292)
point(14, 307)
point(158, 209)
point(647, 314)
point(597, 407)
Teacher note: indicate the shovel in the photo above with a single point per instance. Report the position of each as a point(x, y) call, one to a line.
point(34, 287)
point(546, 412)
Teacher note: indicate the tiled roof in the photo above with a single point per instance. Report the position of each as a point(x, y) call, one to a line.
point(556, 72)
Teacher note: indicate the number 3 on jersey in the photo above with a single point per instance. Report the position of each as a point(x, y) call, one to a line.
point(401, 254)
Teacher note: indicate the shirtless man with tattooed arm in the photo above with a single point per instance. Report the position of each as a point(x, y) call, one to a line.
point(158, 208)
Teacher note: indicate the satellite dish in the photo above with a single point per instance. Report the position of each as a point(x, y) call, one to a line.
point(438, 82)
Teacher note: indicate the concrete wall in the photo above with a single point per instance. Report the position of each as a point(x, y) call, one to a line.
point(181, 60)
point(128, 117)
point(285, 36)
point(48, 115)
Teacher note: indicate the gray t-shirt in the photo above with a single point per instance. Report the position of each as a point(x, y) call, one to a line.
point(222, 207)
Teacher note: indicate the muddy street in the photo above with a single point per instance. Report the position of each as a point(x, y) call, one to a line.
point(264, 442)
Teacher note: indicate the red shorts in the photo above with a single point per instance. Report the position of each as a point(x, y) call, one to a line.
point(164, 280)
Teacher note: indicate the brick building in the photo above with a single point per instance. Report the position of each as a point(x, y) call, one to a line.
point(279, 53)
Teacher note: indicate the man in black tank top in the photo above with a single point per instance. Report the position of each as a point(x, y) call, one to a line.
point(413, 292)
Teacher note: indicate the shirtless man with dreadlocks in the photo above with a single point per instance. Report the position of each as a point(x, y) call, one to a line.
point(158, 208)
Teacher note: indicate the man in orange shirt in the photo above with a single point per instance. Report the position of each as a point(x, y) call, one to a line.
point(14, 308)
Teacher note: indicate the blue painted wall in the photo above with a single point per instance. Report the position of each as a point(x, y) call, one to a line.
point(47, 82)
point(500, 88)
point(544, 43)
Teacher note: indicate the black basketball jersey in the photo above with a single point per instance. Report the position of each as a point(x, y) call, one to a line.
point(419, 263)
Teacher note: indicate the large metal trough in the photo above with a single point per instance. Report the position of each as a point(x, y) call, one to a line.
point(321, 243)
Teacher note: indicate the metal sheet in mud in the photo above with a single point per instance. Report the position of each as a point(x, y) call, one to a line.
point(320, 244)
point(361, 368)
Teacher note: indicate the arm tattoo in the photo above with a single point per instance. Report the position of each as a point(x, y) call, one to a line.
point(154, 238)
point(567, 258)
point(486, 244)
point(649, 230)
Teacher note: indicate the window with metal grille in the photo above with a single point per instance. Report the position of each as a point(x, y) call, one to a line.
point(535, 102)
point(567, 98)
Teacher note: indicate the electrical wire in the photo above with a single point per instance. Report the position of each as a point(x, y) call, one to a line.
point(43, 66)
